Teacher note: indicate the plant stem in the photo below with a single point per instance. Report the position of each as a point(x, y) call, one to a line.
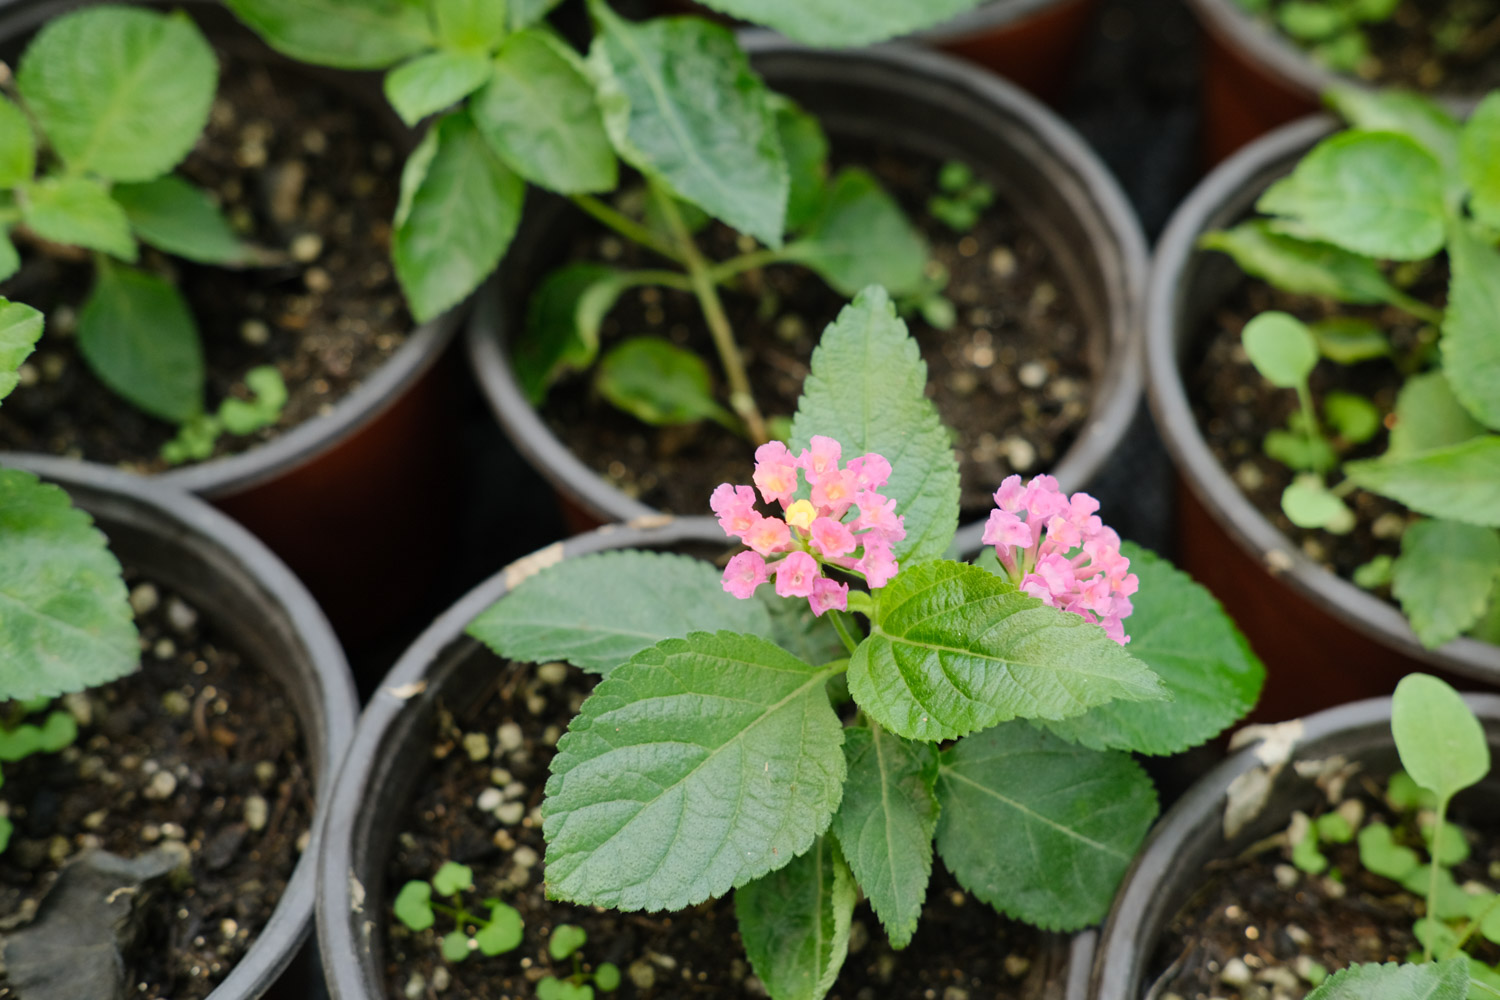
point(734, 266)
point(1435, 849)
point(1417, 308)
point(627, 227)
point(1314, 429)
point(667, 279)
point(1484, 986)
point(842, 628)
point(741, 399)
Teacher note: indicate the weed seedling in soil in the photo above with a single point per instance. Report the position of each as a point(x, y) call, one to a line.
point(87, 149)
point(20, 739)
point(801, 754)
point(493, 935)
point(564, 944)
point(963, 199)
point(1365, 214)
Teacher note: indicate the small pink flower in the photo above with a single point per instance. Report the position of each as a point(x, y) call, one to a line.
point(828, 594)
point(877, 564)
point(820, 459)
point(878, 514)
point(872, 470)
point(831, 538)
point(796, 574)
point(775, 472)
point(835, 492)
point(735, 506)
point(1011, 496)
point(1008, 530)
point(745, 572)
point(768, 536)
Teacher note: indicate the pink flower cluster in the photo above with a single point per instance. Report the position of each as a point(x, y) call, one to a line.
point(1055, 548)
point(815, 532)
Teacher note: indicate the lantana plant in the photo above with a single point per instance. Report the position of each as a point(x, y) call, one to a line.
point(1366, 213)
point(990, 713)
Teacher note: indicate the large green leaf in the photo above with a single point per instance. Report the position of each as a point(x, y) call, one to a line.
point(1448, 980)
point(78, 211)
point(1441, 742)
point(469, 24)
point(956, 649)
point(1413, 115)
point(349, 34)
point(460, 212)
point(1375, 193)
point(886, 823)
point(1445, 576)
point(174, 216)
point(795, 923)
point(1471, 326)
point(1460, 482)
point(137, 335)
point(65, 623)
point(119, 91)
point(1428, 415)
point(1180, 632)
point(1038, 828)
point(539, 114)
point(1301, 267)
point(861, 237)
point(866, 389)
point(17, 146)
point(20, 328)
point(433, 81)
point(557, 337)
point(840, 23)
point(806, 150)
point(1480, 159)
point(659, 383)
point(597, 611)
point(702, 764)
point(682, 105)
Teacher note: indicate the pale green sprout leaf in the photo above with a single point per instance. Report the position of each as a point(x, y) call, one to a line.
point(20, 328)
point(178, 218)
point(1479, 153)
point(1334, 828)
point(413, 906)
point(1379, 852)
point(78, 211)
point(1450, 901)
point(348, 34)
point(1281, 348)
point(607, 977)
point(1355, 418)
point(1374, 574)
point(659, 383)
point(1348, 340)
point(1444, 577)
point(1471, 326)
point(241, 416)
point(137, 335)
point(565, 940)
point(455, 946)
point(1447, 980)
point(1429, 416)
point(1403, 793)
point(552, 988)
point(840, 23)
point(433, 81)
point(502, 933)
point(453, 878)
point(17, 146)
point(58, 731)
point(861, 237)
point(1460, 482)
point(1441, 743)
point(1453, 846)
point(1299, 451)
point(1299, 266)
point(795, 923)
point(1308, 503)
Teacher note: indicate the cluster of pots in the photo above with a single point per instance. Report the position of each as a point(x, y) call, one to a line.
point(341, 480)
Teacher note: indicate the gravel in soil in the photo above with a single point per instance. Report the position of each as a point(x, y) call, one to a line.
point(1011, 378)
point(1258, 925)
point(198, 748)
point(479, 806)
point(304, 172)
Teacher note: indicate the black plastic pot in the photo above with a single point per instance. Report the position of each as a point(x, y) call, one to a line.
point(934, 106)
point(389, 758)
point(1169, 869)
point(234, 581)
point(326, 495)
point(1325, 640)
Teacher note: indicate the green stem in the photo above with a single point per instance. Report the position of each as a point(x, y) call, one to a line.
point(842, 628)
point(1436, 850)
point(1486, 987)
point(1473, 925)
point(1304, 396)
point(734, 266)
point(667, 279)
point(1417, 308)
point(741, 399)
point(1344, 488)
point(627, 227)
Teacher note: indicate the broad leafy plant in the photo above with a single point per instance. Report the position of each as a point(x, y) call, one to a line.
point(983, 713)
point(1364, 211)
point(106, 102)
point(1337, 32)
point(675, 99)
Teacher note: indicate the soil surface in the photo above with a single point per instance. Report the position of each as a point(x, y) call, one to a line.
point(1451, 46)
point(1011, 377)
point(305, 173)
point(1253, 930)
point(501, 748)
point(198, 747)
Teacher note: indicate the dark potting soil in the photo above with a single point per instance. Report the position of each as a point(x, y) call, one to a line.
point(1236, 407)
point(304, 172)
point(199, 748)
point(1258, 923)
point(501, 747)
point(1451, 46)
point(1011, 378)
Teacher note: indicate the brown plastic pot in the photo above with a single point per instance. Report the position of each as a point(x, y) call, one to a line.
point(1169, 869)
point(1324, 640)
point(254, 600)
point(354, 501)
point(934, 106)
point(1033, 43)
point(390, 756)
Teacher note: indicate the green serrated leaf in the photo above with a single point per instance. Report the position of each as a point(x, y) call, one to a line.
point(565, 940)
point(460, 214)
point(1444, 577)
point(17, 146)
point(1441, 743)
point(65, 623)
point(598, 611)
point(1413, 115)
point(1180, 631)
point(806, 150)
point(539, 114)
point(1479, 157)
point(886, 822)
point(78, 211)
point(860, 237)
point(843, 23)
point(1299, 266)
point(1460, 482)
point(956, 650)
point(1308, 503)
point(556, 338)
point(433, 81)
point(1471, 326)
point(795, 923)
point(20, 328)
point(413, 906)
point(867, 390)
point(1435, 981)
point(1281, 348)
point(502, 933)
point(1348, 341)
point(682, 105)
point(119, 91)
point(137, 335)
point(659, 383)
point(348, 34)
point(700, 765)
point(1429, 416)
point(174, 216)
point(1081, 815)
point(1375, 193)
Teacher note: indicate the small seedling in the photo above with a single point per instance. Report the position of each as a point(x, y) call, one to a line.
point(565, 942)
point(963, 199)
point(20, 739)
point(496, 934)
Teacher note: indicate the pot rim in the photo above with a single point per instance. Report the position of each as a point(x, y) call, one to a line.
point(1210, 483)
point(284, 933)
point(1115, 964)
point(1119, 381)
point(313, 438)
point(995, 15)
